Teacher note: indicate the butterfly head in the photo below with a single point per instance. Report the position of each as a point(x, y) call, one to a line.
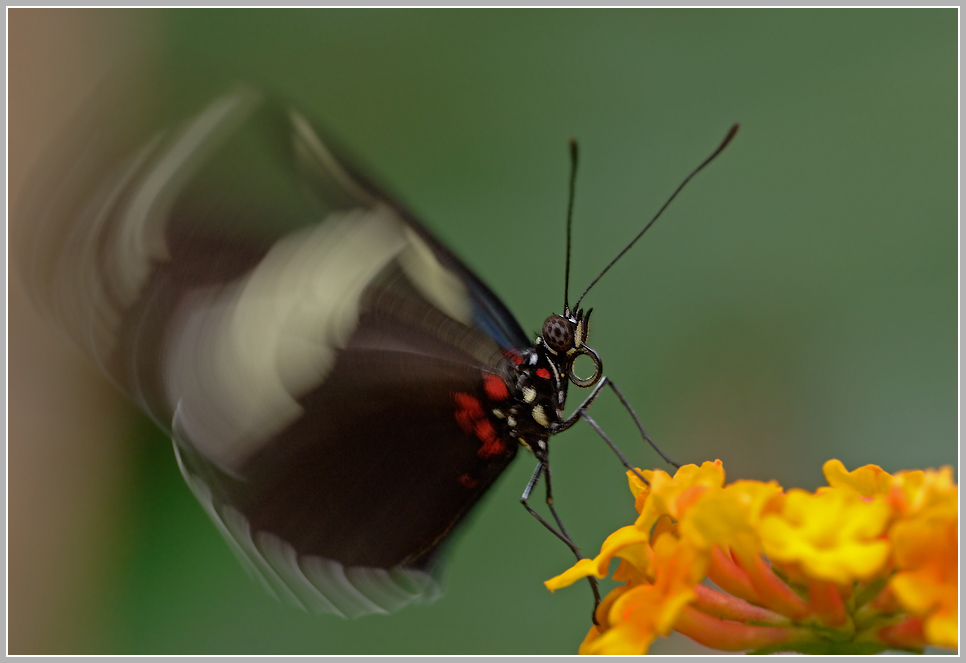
point(565, 338)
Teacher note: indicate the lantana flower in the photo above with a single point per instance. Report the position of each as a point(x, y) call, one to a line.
point(869, 562)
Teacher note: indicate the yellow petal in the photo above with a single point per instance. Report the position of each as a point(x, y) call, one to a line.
point(868, 480)
point(729, 516)
point(834, 535)
point(639, 489)
point(918, 489)
point(582, 569)
point(942, 629)
point(666, 490)
point(926, 582)
point(627, 542)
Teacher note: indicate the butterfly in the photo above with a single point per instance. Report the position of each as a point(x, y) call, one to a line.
point(339, 387)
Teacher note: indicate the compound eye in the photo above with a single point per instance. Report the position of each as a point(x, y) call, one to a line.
point(558, 333)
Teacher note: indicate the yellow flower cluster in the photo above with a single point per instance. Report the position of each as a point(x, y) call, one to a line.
point(868, 563)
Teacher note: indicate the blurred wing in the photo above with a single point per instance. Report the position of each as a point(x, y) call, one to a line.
point(300, 335)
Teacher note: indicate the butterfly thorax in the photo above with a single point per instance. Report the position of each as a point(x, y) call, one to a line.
point(525, 406)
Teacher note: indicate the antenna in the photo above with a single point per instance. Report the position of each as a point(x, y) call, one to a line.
point(724, 144)
point(570, 216)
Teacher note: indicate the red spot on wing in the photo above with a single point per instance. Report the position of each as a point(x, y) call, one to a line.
point(543, 373)
point(491, 449)
point(492, 446)
point(469, 404)
point(513, 356)
point(465, 421)
point(495, 387)
point(468, 482)
point(485, 431)
point(469, 415)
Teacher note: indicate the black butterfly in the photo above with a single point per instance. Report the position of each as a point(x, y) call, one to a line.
point(340, 388)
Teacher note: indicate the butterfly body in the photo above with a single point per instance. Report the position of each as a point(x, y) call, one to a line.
point(340, 389)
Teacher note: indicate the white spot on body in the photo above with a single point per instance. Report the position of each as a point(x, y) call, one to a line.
point(540, 416)
point(529, 394)
point(556, 373)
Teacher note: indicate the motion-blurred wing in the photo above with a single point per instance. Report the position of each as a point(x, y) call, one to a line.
point(300, 335)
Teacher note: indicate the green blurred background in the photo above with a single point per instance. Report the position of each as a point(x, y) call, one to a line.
point(797, 303)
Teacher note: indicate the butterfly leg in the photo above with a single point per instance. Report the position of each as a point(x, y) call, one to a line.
point(543, 467)
point(563, 530)
point(581, 413)
point(640, 426)
point(525, 501)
